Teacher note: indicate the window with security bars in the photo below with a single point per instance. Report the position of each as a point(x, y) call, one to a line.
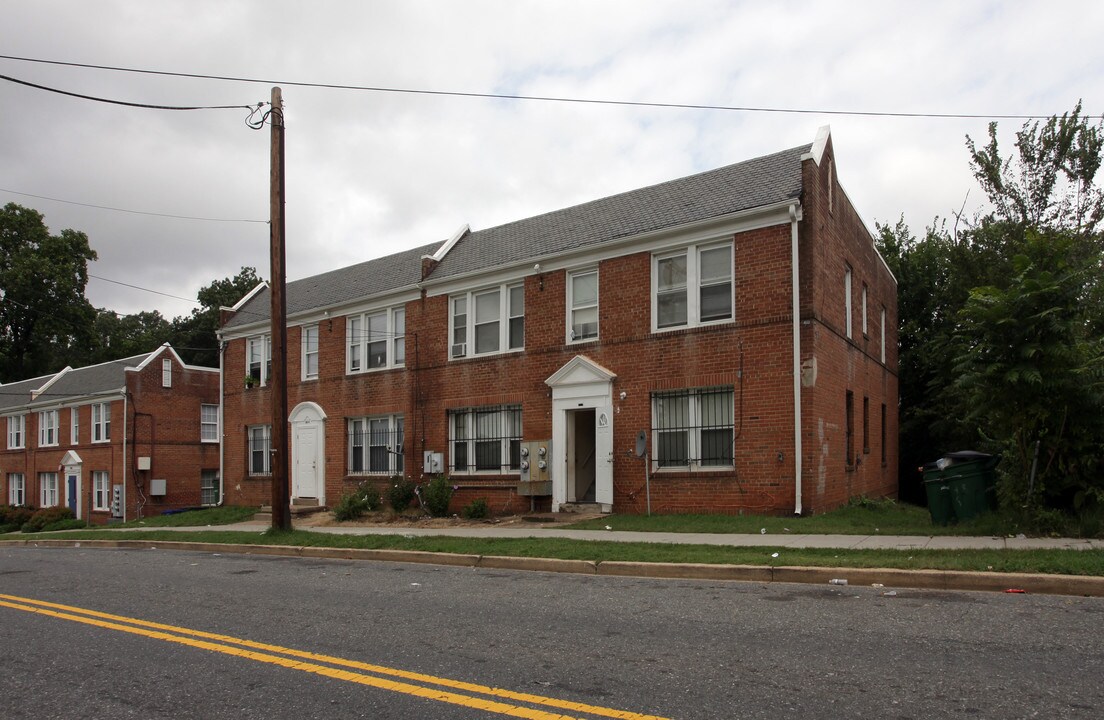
point(693, 428)
point(208, 487)
point(376, 445)
point(485, 440)
point(260, 445)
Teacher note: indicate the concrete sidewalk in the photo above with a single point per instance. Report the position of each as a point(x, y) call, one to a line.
point(787, 540)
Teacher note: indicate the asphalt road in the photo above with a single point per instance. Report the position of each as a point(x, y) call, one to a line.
point(419, 641)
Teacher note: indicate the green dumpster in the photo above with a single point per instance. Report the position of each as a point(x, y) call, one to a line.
point(938, 490)
point(968, 479)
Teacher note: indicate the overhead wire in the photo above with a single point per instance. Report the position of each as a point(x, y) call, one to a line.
point(133, 212)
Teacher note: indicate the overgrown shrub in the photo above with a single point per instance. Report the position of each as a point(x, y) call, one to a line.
point(70, 524)
point(400, 494)
point(365, 498)
point(46, 516)
point(370, 496)
point(436, 494)
point(15, 515)
point(476, 509)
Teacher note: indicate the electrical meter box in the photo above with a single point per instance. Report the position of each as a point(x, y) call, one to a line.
point(433, 463)
point(117, 501)
point(536, 468)
point(158, 487)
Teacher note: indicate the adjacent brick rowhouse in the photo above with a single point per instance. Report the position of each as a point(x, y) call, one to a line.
point(753, 355)
point(147, 420)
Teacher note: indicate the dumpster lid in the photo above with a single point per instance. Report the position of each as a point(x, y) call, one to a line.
point(963, 455)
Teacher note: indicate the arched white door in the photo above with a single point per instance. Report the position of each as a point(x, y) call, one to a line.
point(308, 452)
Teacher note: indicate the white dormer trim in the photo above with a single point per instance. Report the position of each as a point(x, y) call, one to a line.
point(816, 152)
point(449, 244)
point(580, 370)
point(248, 296)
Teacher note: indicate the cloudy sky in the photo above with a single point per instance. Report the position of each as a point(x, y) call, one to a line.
point(370, 173)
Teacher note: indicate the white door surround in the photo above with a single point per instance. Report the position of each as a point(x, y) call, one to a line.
point(582, 397)
point(71, 464)
point(308, 452)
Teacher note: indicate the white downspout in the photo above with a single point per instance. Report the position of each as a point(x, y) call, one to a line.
point(126, 462)
point(795, 280)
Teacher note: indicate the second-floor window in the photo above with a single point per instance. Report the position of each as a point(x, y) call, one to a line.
point(74, 425)
point(47, 428)
point(258, 357)
point(101, 422)
point(208, 423)
point(692, 287)
point(17, 431)
point(377, 340)
point(582, 304)
point(310, 352)
point(484, 322)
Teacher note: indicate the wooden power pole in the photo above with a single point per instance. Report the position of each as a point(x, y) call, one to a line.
point(281, 496)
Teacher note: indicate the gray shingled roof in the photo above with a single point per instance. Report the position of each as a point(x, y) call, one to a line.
point(336, 287)
point(754, 183)
point(750, 184)
point(76, 383)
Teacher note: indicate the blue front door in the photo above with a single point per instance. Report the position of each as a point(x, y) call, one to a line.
point(73, 499)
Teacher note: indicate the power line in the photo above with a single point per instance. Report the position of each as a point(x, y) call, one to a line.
point(539, 98)
point(137, 287)
point(129, 104)
point(133, 212)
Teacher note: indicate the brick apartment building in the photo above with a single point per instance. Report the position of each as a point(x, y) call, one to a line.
point(121, 440)
point(725, 342)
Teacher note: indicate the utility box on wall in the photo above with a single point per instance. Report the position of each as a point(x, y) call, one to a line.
point(158, 487)
point(536, 468)
point(433, 463)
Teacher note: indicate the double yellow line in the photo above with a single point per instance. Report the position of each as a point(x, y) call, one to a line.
point(455, 692)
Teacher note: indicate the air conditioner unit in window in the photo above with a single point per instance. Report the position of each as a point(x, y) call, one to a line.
point(459, 350)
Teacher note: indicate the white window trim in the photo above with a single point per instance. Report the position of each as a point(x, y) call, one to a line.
point(694, 441)
point(17, 432)
point(101, 428)
point(48, 431)
point(865, 326)
point(166, 373)
point(48, 489)
point(74, 425)
point(266, 436)
point(693, 285)
point(847, 300)
point(394, 449)
point(468, 416)
point(264, 344)
point(306, 333)
point(504, 316)
point(883, 335)
point(571, 339)
point(17, 481)
point(98, 477)
point(390, 337)
point(214, 487)
point(207, 424)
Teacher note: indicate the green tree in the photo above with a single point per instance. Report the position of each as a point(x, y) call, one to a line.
point(194, 335)
point(119, 336)
point(44, 316)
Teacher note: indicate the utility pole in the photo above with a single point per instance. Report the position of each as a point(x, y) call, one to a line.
point(281, 510)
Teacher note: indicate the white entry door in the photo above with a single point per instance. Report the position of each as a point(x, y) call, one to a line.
point(305, 470)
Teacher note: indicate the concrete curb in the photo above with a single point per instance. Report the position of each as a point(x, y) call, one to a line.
point(1079, 585)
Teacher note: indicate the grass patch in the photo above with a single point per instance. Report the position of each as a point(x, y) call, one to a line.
point(1068, 562)
point(866, 517)
point(224, 515)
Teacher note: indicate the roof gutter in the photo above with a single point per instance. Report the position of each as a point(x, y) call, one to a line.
point(795, 275)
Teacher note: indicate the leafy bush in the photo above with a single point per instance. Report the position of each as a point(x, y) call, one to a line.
point(477, 509)
point(436, 494)
point(400, 494)
point(15, 515)
point(366, 498)
point(9, 528)
point(370, 495)
point(41, 518)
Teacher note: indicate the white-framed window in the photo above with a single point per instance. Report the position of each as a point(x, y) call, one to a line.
point(864, 324)
point(582, 305)
point(47, 428)
point(17, 489)
point(208, 487)
point(101, 490)
point(208, 423)
point(17, 431)
point(74, 425)
point(847, 299)
point(883, 334)
point(485, 440)
point(48, 489)
point(488, 321)
point(260, 446)
point(166, 373)
point(309, 344)
point(692, 287)
point(376, 445)
point(101, 422)
point(376, 340)
point(693, 429)
point(258, 357)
